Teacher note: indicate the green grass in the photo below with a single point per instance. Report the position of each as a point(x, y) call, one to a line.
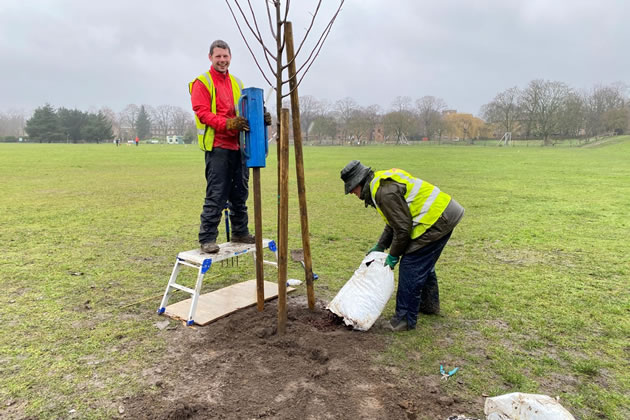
point(534, 282)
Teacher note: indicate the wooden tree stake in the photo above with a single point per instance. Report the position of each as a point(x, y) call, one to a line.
point(283, 228)
point(260, 275)
point(299, 165)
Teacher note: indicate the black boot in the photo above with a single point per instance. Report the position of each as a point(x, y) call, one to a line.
point(430, 300)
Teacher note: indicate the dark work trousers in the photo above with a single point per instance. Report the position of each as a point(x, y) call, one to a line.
point(227, 177)
point(417, 271)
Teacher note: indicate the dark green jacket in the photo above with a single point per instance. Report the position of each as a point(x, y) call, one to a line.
point(396, 236)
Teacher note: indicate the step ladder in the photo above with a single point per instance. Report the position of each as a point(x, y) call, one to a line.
point(202, 262)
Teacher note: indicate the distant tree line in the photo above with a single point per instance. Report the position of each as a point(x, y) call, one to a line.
point(158, 122)
point(550, 109)
point(48, 124)
point(67, 125)
point(545, 110)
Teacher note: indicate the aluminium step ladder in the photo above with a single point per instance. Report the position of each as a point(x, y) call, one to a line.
point(203, 261)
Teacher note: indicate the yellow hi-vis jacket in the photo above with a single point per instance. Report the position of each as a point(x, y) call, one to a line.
point(426, 202)
point(205, 133)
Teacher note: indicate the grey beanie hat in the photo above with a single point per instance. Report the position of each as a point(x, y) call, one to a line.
point(354, 174)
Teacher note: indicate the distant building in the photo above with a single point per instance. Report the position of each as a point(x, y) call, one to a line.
point(158, 132)
point(175, 139)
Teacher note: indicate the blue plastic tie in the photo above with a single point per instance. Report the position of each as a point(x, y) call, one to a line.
point(451, 373)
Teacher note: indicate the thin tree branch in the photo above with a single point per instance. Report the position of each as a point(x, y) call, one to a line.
point(273, 32)
point(312, 61)
point(286, 11)
point(284, 19)
point(265, 49)
point(279, 67)
point(320, 43)
point(309, 28)
point(248, 47)
point(256, 36)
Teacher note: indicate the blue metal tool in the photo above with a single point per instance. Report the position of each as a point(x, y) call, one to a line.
point(253, 142)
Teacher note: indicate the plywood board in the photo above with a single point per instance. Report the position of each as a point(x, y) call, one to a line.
point(219, 303)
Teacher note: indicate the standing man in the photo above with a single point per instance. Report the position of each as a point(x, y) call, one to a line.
point(214, 97)
point(419, 221)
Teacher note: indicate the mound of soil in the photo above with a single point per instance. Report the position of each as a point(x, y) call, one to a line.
point(239, 367)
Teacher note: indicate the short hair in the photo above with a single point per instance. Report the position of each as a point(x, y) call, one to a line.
point(220, 44)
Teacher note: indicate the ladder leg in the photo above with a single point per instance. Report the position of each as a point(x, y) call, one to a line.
point(167, 293)
point(195, 296)
point(273, 248)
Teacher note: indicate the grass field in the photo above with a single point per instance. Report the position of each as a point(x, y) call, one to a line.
point(535, 289)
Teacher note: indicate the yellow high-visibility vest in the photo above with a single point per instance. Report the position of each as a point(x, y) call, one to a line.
point(426, 202)
point(205, 133)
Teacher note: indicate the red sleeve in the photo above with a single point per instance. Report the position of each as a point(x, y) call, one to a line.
point(202, 106)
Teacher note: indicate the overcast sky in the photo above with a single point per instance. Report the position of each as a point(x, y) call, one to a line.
point(86, 55)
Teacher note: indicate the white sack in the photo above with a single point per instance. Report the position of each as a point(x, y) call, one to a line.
point(362, 299)
point(519, 406)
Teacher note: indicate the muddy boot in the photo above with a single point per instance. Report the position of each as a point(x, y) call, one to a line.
point(243, 239)
point(396, 325)
point(430, 300)
point(210, 247)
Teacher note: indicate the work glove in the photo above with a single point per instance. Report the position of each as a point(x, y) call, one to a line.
point(267, 117)
point(376, 248)
point(391, 261)
point(237, 123)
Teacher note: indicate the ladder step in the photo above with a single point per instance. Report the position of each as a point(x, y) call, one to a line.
point(183, 288)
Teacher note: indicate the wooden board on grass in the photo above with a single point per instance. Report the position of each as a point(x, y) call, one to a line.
point(219, 303)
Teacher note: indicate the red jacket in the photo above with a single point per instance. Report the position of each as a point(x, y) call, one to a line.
point(202, 106)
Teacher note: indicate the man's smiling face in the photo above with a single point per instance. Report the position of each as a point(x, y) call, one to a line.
point(220, 59)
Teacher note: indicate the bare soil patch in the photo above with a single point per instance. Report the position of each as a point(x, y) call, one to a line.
point(240, 368)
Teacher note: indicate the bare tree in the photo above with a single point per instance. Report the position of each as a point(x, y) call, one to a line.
point(398, 124)
point(401, 103)
point(310, 109)
point(128, 118)
point(359, 126)
point(180, 121)
point(113, 118)
point(573, 115)
point(344, 109)
point(503, 110)
point(601, 104)
point(325, 127)
point(246, 19)
point(282, 34)
point(12, 123)
point(400, 121)
point(542, 102)
point(373, 116)
point(430, 112)
point(162, 116)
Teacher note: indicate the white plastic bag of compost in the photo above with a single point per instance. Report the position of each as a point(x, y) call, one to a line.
point(362, 299)
point(522, 406)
